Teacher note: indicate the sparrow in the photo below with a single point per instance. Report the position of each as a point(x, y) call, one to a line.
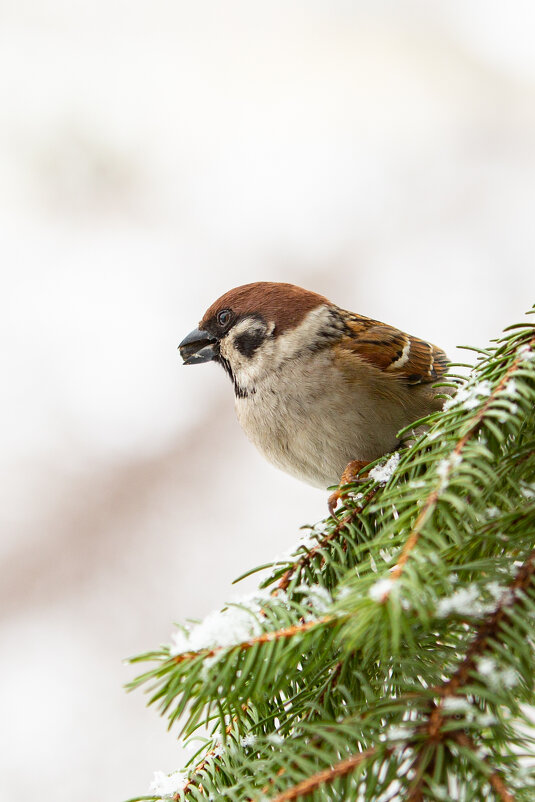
point(320, 391)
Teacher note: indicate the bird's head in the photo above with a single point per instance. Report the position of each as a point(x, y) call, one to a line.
point(252, 330)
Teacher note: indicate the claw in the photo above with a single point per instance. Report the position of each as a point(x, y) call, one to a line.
point(350, 476)
point(332, 501)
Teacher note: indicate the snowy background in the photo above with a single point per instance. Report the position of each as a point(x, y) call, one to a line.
point(152, 156)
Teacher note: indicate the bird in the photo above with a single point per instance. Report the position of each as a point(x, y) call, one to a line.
point(320, 391)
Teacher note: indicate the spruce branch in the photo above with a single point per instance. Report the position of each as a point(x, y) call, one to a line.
point(490, 629)
point(495, 779)
point(431, 501)
point(266, 637)
point(435, 732)
point(391, 654)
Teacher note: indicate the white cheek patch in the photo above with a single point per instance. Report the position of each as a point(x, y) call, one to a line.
point(248, 371)
point(302, 336)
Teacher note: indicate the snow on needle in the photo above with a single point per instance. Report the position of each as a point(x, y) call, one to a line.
point(382, 473)
point(380, 590)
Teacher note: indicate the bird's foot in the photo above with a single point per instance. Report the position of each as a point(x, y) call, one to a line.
point(349, 476)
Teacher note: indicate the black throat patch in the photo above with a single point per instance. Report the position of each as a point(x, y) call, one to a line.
point(240, 392)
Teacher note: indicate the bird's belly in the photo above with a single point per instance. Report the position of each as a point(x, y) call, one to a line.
point(312, 435)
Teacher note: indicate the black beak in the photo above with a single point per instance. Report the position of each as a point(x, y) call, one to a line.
point(197, 347)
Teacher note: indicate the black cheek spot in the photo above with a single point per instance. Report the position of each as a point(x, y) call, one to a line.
point(249, 341)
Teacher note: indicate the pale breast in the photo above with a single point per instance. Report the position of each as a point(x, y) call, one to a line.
point(310, 420)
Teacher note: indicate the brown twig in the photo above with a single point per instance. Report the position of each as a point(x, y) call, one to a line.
point(279, 773)
point(333, 681)
point(340, 769)
point(265, 637)
point(340, 526)
point(494, 778)
point(206, 759)
point(488, 630)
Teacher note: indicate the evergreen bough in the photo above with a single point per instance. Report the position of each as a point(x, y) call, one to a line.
point(392, 656)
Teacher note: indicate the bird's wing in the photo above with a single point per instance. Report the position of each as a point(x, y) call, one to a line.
point(407, 358)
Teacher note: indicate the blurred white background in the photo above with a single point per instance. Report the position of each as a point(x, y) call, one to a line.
point(153, 155)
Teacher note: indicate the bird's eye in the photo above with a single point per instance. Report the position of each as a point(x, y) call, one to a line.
point(223, 317)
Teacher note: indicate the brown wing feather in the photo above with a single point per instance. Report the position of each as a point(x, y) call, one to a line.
point(410, 359)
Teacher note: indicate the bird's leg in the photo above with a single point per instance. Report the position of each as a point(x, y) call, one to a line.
point(349, 476)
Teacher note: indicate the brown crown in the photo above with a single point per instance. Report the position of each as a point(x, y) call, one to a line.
point(284, 304)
